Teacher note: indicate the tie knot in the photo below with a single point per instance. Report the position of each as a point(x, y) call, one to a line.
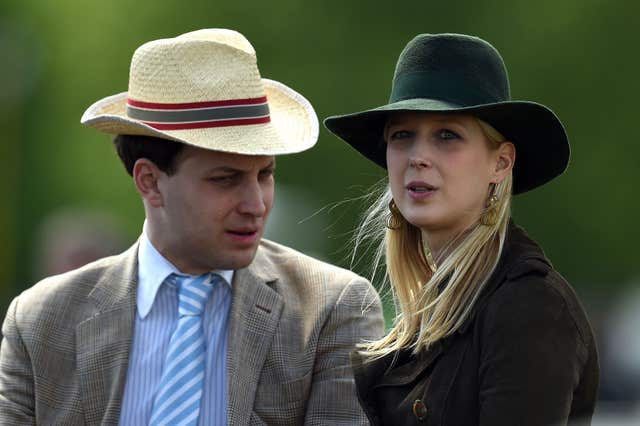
point(193, 293)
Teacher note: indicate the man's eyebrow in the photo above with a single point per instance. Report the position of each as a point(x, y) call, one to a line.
point(226, 169)
point(229, 169)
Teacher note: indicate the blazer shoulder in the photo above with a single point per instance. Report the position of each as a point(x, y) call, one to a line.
point(282, 258)
point(74, 287)
point(298, 273)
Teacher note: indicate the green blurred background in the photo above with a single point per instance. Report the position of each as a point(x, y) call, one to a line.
point(578, 57)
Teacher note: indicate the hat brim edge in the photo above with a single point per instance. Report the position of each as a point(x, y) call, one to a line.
point(121, 124)
point(363, 129)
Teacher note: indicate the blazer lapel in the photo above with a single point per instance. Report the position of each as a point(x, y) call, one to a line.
point(103, 341)
point(255, 312)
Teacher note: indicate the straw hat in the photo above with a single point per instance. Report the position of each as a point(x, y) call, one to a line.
point(456, 73)
point(204, 89)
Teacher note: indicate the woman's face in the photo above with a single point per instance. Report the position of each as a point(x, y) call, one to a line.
point(440, 169)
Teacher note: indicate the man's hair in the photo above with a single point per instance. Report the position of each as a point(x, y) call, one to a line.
point(162, 152)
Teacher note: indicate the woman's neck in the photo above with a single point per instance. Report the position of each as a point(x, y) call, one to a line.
point(440, 242)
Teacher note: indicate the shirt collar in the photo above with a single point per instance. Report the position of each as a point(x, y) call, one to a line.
point(153, 270)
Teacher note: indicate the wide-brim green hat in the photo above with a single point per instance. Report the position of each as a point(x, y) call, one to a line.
point(455, 73)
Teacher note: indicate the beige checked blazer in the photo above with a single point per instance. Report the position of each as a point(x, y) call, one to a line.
point(293, 322)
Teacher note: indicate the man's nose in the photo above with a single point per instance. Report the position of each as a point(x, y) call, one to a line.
point(253, 200)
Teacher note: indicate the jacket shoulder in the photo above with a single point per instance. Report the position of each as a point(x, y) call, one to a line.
point(283, 258)
point(534, 292)
point(298, 273)
point(526, 283)
point(69, 291)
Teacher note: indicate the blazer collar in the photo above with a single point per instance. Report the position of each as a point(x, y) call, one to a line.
point(256, 308)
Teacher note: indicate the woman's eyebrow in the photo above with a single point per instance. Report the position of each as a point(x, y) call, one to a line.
point(451, 120)
point(396, 123)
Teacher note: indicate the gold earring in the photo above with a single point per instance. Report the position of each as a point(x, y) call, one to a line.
point(493, 200)
point(394, 217)
point(489, 216)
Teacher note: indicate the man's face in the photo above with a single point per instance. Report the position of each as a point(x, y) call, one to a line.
point(214, 209)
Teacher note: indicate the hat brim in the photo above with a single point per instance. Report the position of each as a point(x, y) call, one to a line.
point(542, 146)
point(293, 126)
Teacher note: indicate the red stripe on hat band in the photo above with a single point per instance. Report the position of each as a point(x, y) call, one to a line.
point(196, 105)
point(207, 124)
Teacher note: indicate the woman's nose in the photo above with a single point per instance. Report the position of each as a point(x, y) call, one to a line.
point(420, 153)
point(420, 162)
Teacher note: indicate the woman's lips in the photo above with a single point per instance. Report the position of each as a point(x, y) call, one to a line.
point(420, 190)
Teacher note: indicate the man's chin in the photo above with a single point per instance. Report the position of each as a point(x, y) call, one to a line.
point(239, 259)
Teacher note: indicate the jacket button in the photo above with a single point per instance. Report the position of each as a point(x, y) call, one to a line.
point(419, 409)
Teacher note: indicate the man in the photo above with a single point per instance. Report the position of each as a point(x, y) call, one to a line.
point(201, 321)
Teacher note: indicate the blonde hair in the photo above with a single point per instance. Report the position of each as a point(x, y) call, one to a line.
point(432, 305)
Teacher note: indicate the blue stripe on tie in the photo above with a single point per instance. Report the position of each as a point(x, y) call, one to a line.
point(171, 405)
point(188, 416)
point(180, 391)
point(149, 351)
point(187, 361)
point(181, 343)
point(173, 369)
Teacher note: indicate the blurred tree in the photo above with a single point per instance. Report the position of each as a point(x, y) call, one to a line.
point(578, 57)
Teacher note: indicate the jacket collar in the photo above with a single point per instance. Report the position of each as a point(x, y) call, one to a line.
point(255, 312)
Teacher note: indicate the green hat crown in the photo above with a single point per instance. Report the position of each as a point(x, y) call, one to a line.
point(454, 68)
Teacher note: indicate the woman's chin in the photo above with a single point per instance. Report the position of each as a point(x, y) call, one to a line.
point(426, 224)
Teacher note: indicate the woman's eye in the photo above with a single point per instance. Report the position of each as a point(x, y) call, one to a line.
point(446, 134)
point(401, 134)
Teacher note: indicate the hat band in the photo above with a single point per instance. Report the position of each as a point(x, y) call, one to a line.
point(198, 115)
point(432, 85)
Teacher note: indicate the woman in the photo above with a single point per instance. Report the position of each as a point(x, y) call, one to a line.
point(488, 333)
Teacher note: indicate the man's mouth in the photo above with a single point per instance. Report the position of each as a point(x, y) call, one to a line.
point(243, 232)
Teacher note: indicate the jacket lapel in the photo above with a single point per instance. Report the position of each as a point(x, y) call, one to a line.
point(103, 341)
point(413, 368)
point(395, 369)
point(255, 313)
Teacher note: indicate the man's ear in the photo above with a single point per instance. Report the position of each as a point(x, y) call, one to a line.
point(505, 159)
point(145, 177)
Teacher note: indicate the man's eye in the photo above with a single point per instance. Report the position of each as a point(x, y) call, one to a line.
point(221, 179)
point(447, 134)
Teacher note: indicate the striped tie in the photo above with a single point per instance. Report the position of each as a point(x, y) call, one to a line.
point(177, 401)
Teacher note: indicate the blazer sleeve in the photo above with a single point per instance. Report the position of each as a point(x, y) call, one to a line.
point(17, 404)
point(355, 317)
point(532, 355)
